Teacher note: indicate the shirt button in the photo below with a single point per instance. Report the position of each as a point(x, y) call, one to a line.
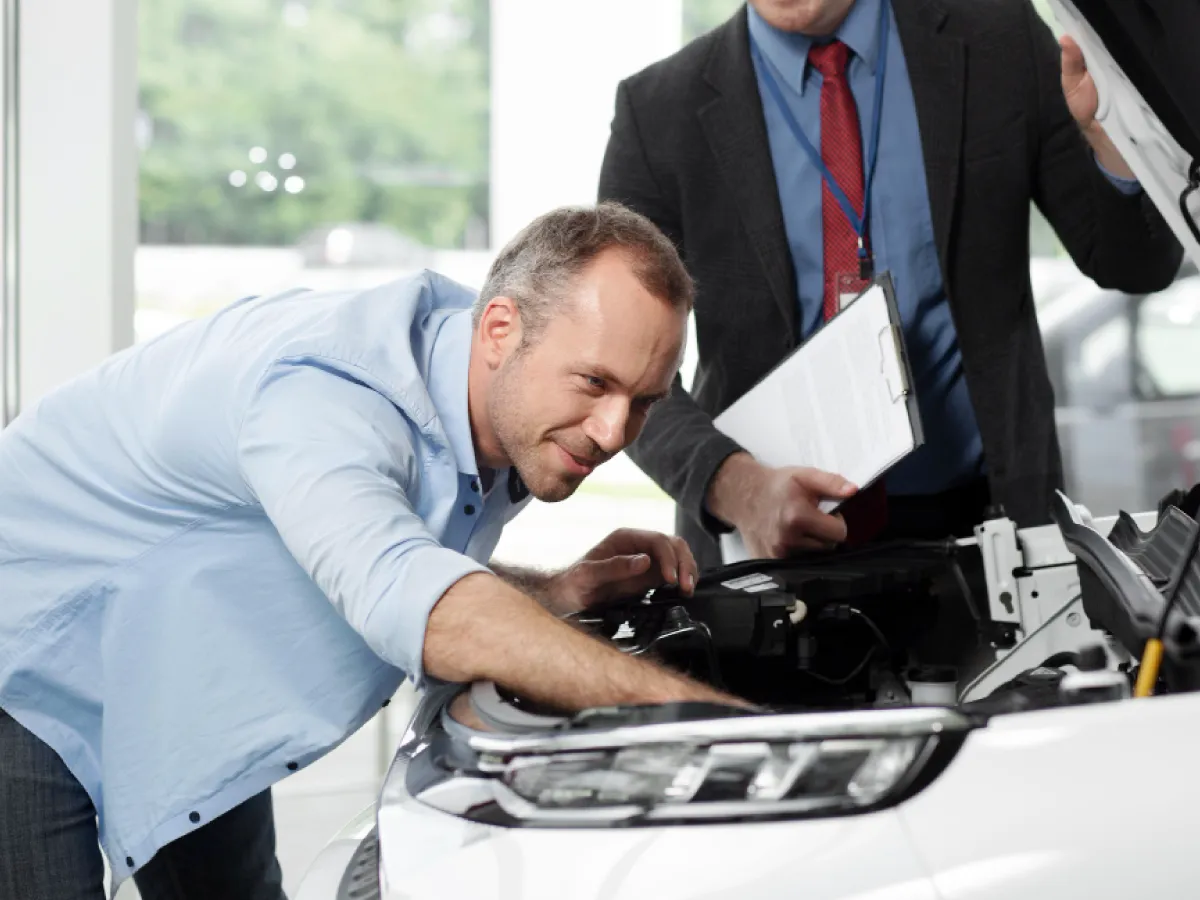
point(475, 486)
point(195, 817)
point(469, 509)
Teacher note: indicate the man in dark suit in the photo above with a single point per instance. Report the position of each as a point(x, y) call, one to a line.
point(753, 149)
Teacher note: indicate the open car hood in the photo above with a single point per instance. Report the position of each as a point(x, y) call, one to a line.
point(1143, 59)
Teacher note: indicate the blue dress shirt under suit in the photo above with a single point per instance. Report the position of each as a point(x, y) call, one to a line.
point(900, 228)
point(219, 550)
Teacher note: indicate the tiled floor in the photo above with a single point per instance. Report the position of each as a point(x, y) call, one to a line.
point(311, 806)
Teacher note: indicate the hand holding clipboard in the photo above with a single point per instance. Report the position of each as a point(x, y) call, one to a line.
point(842, 402)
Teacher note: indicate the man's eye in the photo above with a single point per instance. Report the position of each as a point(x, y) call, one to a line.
point(595, 383)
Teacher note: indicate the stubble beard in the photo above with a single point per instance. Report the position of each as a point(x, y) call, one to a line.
point(506, 409)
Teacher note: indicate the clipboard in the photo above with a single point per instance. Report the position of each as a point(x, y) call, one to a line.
point(842, 401)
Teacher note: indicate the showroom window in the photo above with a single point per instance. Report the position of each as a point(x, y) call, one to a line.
point(296, 141)
point(1168, 343)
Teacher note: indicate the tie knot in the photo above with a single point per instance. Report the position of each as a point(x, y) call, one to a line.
point(829, 59)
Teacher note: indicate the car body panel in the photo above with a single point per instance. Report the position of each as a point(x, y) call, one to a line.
point(861, 856)
point(1099, 801)
point(325, 873)
point(1094, 800)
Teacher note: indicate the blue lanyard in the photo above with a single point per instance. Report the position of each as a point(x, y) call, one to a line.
point(858, 224)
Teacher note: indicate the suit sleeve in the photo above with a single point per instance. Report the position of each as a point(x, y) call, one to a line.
point(334, 466)
point(1118, 238)
point(679, 448)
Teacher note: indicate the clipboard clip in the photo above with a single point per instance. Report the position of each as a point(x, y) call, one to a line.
point(890, 335)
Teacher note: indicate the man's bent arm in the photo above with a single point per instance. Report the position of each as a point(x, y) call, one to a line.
point(333, 465)
point(1119, 240)
point(484, 629)
point(330, 462)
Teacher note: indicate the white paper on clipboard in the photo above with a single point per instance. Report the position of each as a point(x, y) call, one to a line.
point(842, 402)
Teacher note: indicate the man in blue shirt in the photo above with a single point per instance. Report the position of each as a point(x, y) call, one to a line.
point(223, 550)
point(806, 137)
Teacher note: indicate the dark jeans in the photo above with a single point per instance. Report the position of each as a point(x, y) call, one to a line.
point(49, 849)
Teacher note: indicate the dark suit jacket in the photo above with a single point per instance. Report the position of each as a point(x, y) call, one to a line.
point(689, 150)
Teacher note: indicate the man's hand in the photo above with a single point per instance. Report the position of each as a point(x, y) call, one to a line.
point(1083, 101)
point(626, 563)
point(776, 510)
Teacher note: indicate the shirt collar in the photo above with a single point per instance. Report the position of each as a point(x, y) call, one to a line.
point(787, 52)
point(449, 363)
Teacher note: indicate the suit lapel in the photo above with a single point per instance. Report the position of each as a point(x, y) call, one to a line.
point(737, 134)
point(936, 69)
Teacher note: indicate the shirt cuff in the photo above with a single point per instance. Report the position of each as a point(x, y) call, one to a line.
point(1127, 186)
point(396, 626)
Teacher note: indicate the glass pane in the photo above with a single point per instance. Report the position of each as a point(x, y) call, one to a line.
point(290, 142)
point(1168, 341)
point(701, 16)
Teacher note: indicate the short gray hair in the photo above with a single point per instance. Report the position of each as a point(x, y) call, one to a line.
point(538, 267)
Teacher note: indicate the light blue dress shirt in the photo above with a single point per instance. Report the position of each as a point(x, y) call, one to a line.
point(900, 228)
point(219, 549)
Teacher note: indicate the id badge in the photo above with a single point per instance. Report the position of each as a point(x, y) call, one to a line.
point(850, 286)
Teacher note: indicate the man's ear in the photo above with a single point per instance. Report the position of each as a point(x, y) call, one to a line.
point(499, 330)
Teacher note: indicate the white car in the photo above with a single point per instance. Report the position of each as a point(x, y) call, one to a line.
point(1045, 781)
point(943, 720)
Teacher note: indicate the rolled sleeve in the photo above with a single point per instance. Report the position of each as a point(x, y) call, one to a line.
point(1127, 186)
point(335, 466)
point(401, 625)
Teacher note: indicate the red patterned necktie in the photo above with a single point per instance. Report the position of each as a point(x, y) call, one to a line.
point(841, 151)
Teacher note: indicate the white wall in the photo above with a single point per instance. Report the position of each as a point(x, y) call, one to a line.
point(78, 186)
point(555, 68)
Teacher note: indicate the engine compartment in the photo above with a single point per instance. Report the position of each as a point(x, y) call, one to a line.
point(891, 625)
point(914, 623)
point(842, 630)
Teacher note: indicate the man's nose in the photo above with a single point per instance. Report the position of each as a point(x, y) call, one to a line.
point(607, 425)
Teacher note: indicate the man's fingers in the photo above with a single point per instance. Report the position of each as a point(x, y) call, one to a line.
point(824, 484)
point(1073, 65)
point(824, 527)
point(812, 544)
point(809, 522)
point(687, 568)
point(666, 557)
point(606, 579)
point(662, 549)
point(628, 541)
point(619, 568)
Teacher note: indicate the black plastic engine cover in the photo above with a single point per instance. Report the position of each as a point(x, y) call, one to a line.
point(741, 629)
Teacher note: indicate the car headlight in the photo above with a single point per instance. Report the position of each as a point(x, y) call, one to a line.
point(680, 781)
point(713, 770)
